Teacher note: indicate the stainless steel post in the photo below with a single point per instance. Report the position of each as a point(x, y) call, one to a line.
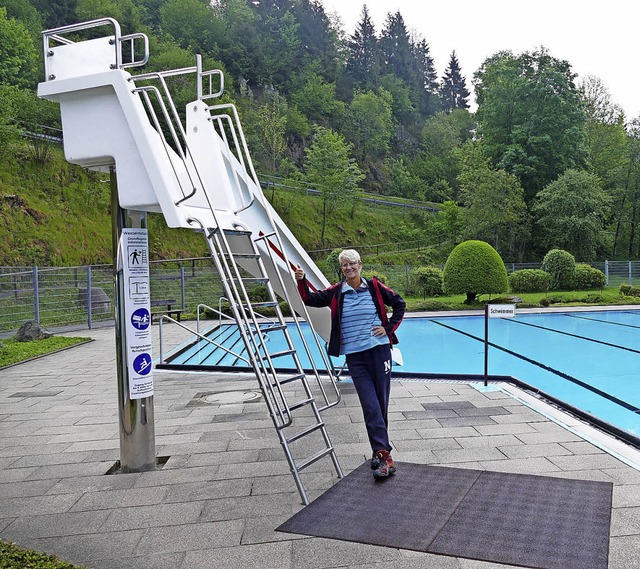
point(136, 417)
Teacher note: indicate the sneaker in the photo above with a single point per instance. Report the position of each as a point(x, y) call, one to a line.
point(386, 466)
point(374, 462)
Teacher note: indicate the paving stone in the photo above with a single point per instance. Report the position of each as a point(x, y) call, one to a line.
point(190, 537)
point(275, 555)
point(153, 515)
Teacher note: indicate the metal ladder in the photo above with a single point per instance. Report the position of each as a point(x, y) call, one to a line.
point(301, 417)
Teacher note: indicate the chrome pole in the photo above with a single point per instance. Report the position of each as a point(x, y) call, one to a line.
point(136, 416)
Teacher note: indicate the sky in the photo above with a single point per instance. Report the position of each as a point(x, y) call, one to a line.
point(596, 38)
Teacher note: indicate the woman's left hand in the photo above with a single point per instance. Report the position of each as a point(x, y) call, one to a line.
point(378, 331)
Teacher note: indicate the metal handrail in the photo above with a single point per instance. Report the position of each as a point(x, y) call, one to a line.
point(328, 365)
point(57, 35)
point(201, 336)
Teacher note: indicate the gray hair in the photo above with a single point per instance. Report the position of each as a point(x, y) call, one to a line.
point(349, 255)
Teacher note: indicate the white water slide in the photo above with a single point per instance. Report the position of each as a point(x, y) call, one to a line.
point(193, 167)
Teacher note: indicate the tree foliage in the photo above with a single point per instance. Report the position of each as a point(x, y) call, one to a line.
point(473, 268)
point(495, 209)
point(561, 265)
point(18, 56)
point(453, 88)
point(531, 118)
point(571, 214)
point(330, 169)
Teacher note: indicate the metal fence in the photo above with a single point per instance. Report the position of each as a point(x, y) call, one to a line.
point(83, 296)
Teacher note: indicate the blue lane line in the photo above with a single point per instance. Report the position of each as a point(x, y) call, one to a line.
point(557, 372)
point(602, 321)
point(512, 321)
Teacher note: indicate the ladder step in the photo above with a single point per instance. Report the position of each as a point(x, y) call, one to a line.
point(240, 255)
point(308, 430)
point(262, 304)
point(274, 328)
point(290, 379)
point(301, 403)
point(317, 456)
point(255, 280)
point(279, 354)
point(216, 230)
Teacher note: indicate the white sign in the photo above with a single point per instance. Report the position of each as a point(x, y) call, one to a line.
point(137, 309)
point(502, 311)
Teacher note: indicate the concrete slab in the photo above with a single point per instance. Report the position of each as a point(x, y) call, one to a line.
point(226, 485)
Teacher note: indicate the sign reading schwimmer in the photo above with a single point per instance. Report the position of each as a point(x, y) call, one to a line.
point(494, 311)
point(502, 310)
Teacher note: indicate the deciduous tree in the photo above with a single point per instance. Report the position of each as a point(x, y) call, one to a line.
point(531, 117)
point(572, 213)
point(330, 169)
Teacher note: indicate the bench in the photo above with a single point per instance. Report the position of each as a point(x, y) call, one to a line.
point(165, 306)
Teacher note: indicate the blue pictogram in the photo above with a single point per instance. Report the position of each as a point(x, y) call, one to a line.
point(142, 364)
point(141, 319)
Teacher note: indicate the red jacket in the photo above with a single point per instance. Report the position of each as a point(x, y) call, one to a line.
point(333, 298)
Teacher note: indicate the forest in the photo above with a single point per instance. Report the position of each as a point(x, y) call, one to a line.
point(546, 160)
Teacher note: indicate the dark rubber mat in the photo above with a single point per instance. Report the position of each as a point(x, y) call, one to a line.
point(530, 521)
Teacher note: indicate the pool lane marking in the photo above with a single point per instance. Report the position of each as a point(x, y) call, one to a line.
point(513, 321)
point(602, 321)
point(566, 376)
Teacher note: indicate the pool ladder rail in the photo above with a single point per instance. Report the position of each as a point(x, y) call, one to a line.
point(295, 419)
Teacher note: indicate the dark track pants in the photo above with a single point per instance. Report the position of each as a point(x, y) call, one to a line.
point(370, 371)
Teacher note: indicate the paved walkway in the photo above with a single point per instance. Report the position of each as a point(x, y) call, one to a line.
point(226, 486)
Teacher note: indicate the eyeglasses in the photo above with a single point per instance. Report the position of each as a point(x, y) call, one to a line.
point(347, 265)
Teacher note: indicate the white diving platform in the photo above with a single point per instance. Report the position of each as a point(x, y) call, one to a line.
point(196, 172)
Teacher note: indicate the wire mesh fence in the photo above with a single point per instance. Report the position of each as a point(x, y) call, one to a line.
point(84, 296)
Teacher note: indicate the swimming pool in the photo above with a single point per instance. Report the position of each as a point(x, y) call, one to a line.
point(590, 360)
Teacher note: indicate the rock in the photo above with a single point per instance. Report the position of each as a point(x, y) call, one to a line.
point(31, 330)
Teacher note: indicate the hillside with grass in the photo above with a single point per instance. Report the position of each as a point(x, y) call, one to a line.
point(56, 214)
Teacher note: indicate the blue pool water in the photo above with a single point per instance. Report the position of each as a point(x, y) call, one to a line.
point(590, 360)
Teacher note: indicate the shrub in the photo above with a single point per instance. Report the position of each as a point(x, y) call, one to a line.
point(561, 265)
point(333, 264)
point(629, 290)
point(428, 280)
point(587, 277)
point(473, 268)
point(529, 280)
point(370, 274)
point(544, 302)
point(625, 289)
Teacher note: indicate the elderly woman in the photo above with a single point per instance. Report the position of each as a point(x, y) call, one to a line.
point(361, 330)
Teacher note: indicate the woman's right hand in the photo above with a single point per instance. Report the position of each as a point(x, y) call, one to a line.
point(299, 273)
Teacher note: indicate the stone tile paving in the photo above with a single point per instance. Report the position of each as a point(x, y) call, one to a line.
point(226, 485)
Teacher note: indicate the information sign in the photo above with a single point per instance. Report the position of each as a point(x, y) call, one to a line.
point(135, 253)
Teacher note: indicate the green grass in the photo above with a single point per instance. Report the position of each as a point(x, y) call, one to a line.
point(608, 296)
point(13, 352)
point(13, 557)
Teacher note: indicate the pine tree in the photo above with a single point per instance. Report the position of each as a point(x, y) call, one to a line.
point(363, 61)
point(395, 47)
point(426, 77)
point(453, 89)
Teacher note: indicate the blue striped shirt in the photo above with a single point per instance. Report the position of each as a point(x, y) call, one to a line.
point(359, 316)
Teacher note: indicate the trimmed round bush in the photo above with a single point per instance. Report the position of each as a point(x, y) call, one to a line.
point(561, 265)
point(428, 280)
point(588, 277)
point(473, 268)
point(529, 280)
